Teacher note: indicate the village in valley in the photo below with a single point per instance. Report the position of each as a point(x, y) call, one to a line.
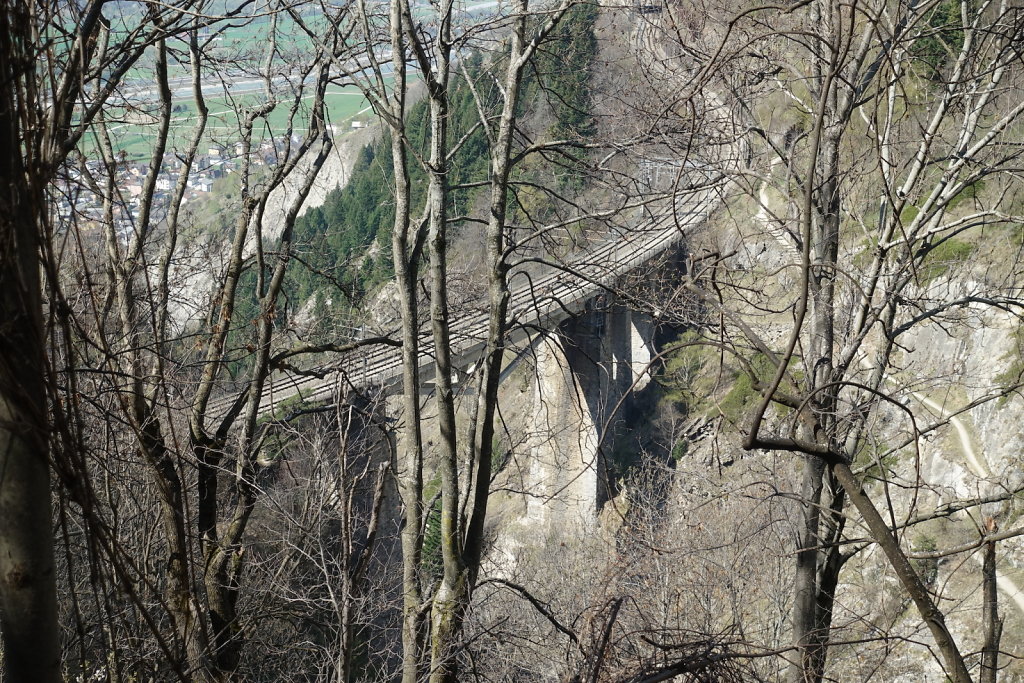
point(75, 202)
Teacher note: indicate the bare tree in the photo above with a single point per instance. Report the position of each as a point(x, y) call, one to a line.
point(900, 109)
point(123, 297)
point(464, 460)
point(59, 75)
point(28, 605)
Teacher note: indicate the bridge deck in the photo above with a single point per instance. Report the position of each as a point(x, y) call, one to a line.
point(542, 302)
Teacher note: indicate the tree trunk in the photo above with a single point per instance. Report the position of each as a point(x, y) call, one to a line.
point(805, 581)
point(883, 536)
point(28, 604)
point(990, 619)
point(453, 594)
point(832, 560)
point(408, 464)
point(809, 631)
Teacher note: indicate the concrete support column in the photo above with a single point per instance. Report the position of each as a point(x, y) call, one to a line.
point(584, 374)
point(565, 470)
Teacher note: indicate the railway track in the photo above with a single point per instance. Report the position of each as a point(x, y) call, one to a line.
point(541, 301)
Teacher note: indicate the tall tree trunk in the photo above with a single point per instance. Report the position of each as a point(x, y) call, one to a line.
point(809, 630)
point(990, 619)
point(955, 667)
point(28, 605)
point(805, 577)
point(408, 464)
point(453, 594)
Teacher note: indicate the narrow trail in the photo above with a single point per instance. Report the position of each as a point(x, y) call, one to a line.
point(763, 217)
point(1011, 589)
point(980, 469)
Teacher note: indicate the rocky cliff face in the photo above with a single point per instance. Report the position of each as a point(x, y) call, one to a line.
point(712, 525)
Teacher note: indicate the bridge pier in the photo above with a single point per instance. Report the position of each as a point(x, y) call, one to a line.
point(584, 373)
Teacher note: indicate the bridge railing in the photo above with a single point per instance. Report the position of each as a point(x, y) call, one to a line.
point(540, 301)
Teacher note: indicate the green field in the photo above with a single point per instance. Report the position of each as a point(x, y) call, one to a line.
point(243, 42)
point(136, 137)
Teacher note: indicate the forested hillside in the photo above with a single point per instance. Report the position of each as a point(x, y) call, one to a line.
point(332, 239)
point(673, 341)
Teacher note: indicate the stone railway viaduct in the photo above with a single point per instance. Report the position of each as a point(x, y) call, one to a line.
point(588, 351)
